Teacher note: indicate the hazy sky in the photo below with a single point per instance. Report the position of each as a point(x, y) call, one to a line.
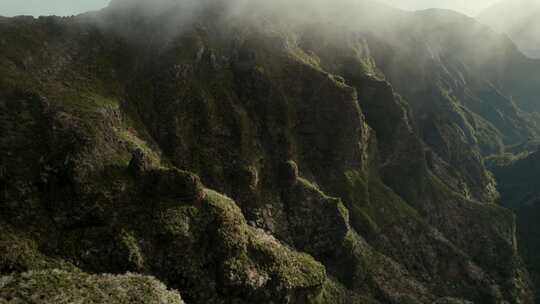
point(49, 7)
point(69, 7)
point(470, 7)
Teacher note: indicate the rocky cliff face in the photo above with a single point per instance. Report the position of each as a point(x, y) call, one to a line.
point(345, 166)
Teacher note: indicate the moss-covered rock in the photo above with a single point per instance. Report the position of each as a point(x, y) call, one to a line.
point(318, 223)
point(19, 253)
point(248, 262)
point(173, 184)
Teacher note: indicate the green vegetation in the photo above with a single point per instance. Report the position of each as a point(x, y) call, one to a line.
point(58, 286)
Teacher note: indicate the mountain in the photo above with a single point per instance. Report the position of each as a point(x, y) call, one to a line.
point(240, 154)
point(518, 19)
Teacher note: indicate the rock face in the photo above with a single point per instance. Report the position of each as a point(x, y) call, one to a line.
point(342, 169)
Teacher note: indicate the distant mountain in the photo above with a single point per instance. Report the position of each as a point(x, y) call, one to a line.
point(520, 19)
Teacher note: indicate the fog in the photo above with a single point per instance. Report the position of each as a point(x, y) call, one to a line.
point(380, 16)
point(469, 7)
point(176, 15)
point(70, 7)
point(520, 19)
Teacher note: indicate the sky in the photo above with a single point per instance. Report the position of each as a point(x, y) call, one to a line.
point(70, 7)
point(49, 7)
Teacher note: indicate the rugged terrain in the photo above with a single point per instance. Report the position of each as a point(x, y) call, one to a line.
point(241, 155)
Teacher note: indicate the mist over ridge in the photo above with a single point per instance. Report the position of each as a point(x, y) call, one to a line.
point(519, 20)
